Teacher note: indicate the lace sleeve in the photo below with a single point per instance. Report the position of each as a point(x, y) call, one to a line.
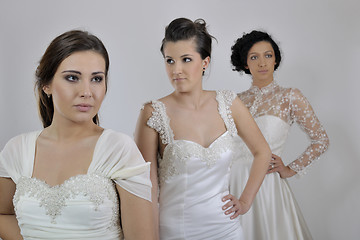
point(302, 112)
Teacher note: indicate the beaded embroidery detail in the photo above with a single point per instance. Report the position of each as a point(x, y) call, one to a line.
point(290, 106)
point(225, 99)
point(161, 122)
point(177, 152)
point(53, 199)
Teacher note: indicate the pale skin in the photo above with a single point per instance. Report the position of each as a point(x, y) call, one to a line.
point(261, 62)
point(78, 89)
point(194, 117)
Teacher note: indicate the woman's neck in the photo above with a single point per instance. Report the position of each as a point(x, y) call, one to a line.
point(193, 99)
point(262, 83)
point(66, 131)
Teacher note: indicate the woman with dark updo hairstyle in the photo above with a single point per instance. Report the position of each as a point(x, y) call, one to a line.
point(275, 214)
point(190, 138)
point(67, 180)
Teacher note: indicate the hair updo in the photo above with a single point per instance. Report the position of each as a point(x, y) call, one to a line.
point(185, 29)
point(240, 50)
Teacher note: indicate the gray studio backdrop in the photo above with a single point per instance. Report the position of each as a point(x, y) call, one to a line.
point(321, 49)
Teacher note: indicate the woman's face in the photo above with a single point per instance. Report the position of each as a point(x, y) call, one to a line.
point(184, 65)
point(261, 63)
point(78, 87)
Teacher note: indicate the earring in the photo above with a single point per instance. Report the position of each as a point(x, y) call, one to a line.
point(48, 95)
point(203, 71)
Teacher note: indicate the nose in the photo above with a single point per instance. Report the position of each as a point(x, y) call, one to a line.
point(85, 91)
point(262, 62)
point(177, 69)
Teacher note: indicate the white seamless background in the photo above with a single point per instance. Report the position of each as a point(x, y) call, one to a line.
point(320, 42)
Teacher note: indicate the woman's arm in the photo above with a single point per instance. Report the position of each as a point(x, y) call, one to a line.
point(304, 115)
point(255, 141)
point(9, 228)
point(136, 216)
point(147, 141)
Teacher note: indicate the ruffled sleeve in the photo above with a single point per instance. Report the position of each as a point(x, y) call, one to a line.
point(304, 115)
point(117, 157)
point(17, 157)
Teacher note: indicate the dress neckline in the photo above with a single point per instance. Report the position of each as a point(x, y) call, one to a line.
point(203, 147)
point(264, 90)
point(72, 177)
point(186, 140)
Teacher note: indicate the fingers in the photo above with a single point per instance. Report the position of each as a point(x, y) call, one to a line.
point(276, 164)
point(230, 202)
point(236, 214)
point(232, 206)
point(234, 210)
point(272, 170)
point(227, 197)
point(273, 164)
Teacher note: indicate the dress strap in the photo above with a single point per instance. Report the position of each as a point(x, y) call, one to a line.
point(160, 121)
point(225, 99)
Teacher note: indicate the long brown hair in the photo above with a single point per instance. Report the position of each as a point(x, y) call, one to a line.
point(59, 49)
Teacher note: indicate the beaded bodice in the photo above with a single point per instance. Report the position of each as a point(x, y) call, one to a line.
point(91, 188)
point(178, 152)
point(193, 179)
point(291, 106)
point(85, 206)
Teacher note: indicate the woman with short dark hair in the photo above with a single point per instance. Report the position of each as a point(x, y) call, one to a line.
point(275, 214)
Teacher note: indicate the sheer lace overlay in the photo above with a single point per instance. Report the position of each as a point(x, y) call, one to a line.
point(175, 158)
point(291, 106)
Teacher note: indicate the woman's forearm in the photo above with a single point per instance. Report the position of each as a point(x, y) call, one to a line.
point(256, 177)
point(9, 228)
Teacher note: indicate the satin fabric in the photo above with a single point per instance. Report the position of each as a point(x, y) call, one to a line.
point(190, 203)
point(84, 206)
point(275, 214)
point(193, 179)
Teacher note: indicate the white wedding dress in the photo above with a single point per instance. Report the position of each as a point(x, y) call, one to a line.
point(193, 179)
point(275, 214)
point(84, 206)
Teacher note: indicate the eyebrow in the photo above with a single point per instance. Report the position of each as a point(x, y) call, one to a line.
point(71, 71)
point(77, 72)
point(185, 55)
point(269, 51)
